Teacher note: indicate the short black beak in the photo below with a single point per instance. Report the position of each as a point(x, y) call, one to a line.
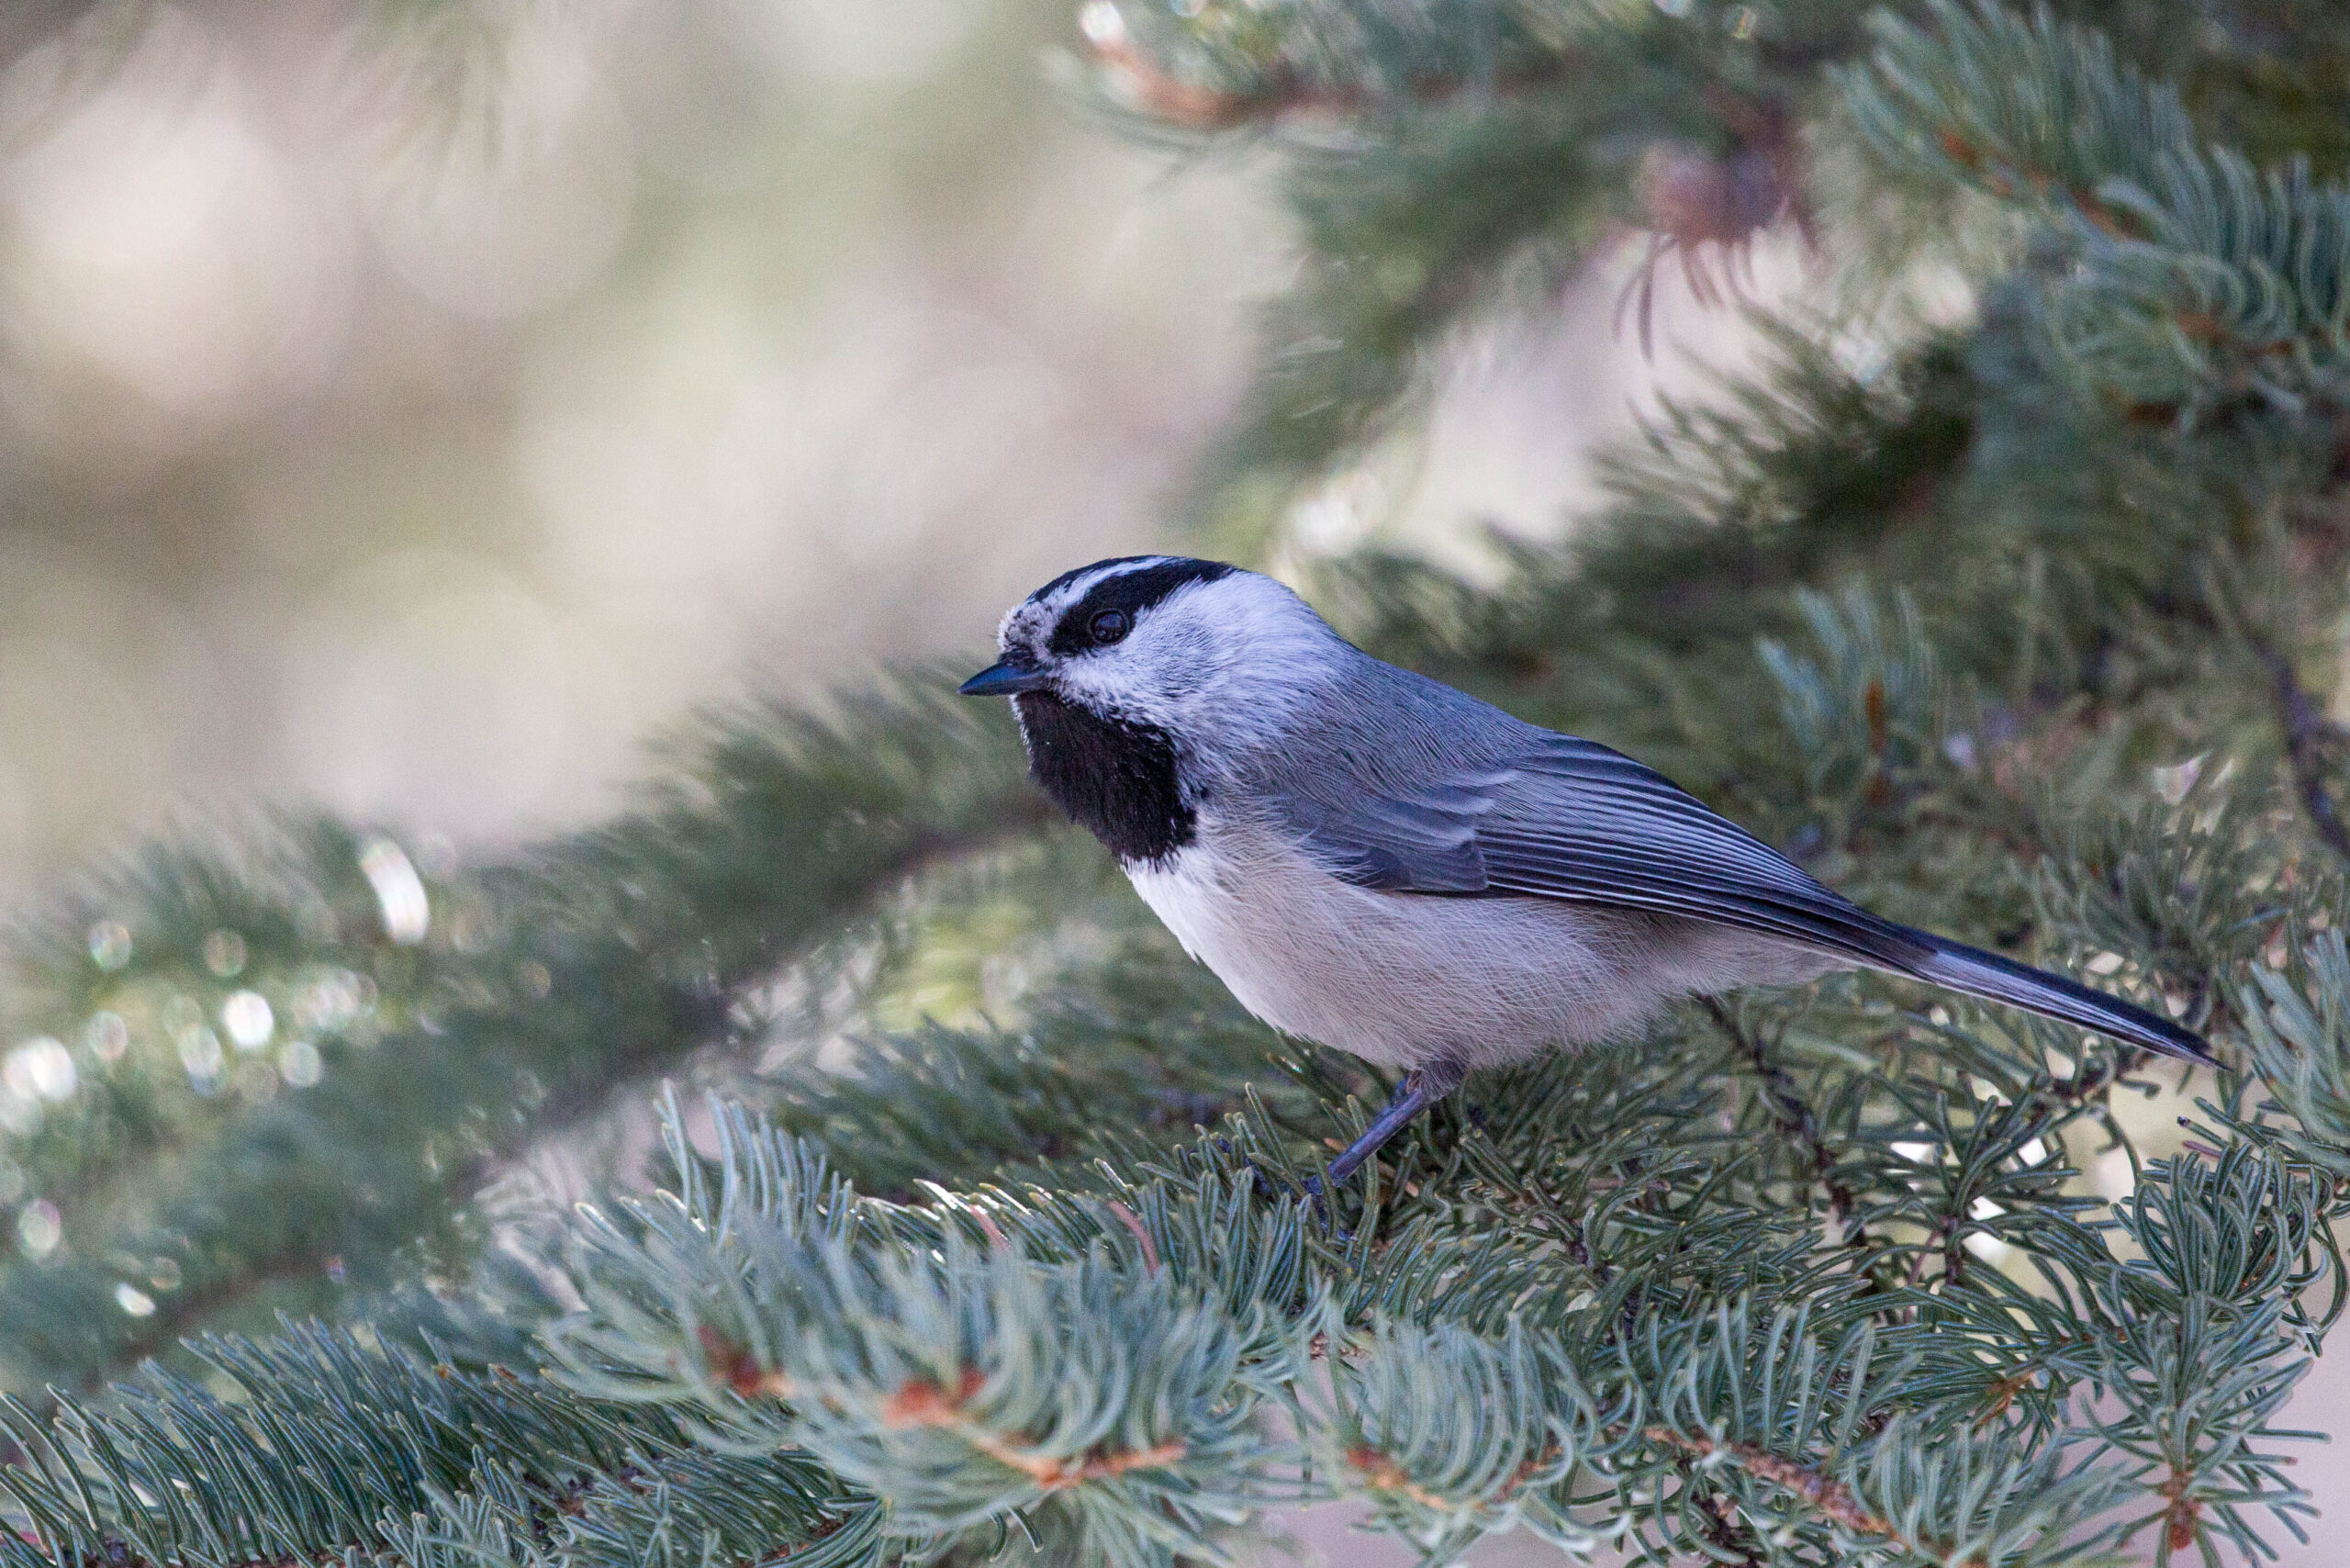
point(1002, 679)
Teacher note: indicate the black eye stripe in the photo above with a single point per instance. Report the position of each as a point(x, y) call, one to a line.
point(1130, 593)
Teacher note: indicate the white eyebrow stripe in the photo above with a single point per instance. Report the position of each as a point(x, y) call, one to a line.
point(1069, 592)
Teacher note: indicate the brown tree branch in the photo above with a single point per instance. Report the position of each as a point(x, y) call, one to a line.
point(1796, 1118)
point(1832, 1499)
point(2310, 738)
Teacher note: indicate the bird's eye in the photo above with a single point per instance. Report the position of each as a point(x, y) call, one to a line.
point(1109, 625)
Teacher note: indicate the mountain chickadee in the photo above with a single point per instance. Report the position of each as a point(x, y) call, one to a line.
point(1375, 861)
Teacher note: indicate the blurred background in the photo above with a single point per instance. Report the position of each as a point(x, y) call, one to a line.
point(408, 413)
point(413, 412)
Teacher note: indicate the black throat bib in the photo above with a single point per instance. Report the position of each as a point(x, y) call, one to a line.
point(1116, 778)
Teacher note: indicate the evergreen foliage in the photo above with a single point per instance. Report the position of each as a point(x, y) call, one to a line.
point(995, 1239)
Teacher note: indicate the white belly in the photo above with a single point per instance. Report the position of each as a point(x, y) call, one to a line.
point(1401, 979)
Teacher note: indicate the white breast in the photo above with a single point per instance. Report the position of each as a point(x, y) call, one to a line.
point(1401, 979)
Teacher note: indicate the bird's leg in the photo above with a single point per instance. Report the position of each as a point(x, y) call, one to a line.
point(1422, 1087)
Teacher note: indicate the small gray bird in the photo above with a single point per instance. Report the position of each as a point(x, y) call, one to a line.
point(1375, 861)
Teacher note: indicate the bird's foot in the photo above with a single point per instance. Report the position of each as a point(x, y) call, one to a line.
point(1309, 1191)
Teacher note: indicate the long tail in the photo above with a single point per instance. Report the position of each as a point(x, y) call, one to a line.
point(1987, 975)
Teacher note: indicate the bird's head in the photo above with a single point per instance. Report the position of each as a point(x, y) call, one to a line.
point(1188, 648)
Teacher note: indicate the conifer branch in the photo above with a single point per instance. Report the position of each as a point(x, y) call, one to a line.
point(2312, 742)
point(1832, 1499)
point(1285, 92)
point(2201, 280)
point(1795, 1115)
point(602, 956)
point(1478, 147)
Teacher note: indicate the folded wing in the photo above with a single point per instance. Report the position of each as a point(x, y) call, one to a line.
point(1570, 819)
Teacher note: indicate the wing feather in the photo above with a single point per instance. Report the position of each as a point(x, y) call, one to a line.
point(1418, 840)
point(1570, 819)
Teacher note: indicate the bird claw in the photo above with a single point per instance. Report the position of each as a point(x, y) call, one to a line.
point(1312, 1185)
point(1309, 1191)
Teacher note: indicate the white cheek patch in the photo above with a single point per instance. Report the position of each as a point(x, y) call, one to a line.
point(1150, 677)
point(1102, 684)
